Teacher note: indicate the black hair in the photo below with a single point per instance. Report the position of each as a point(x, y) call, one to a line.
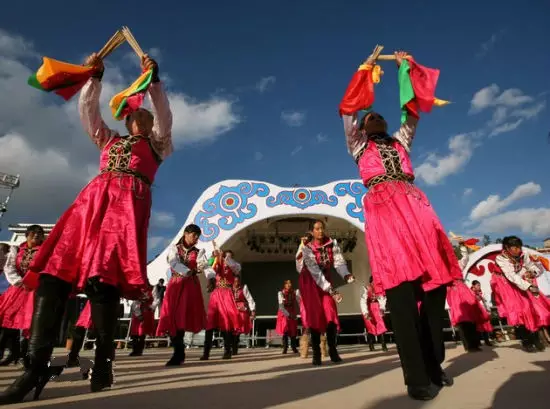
point(4, 247)
point(193, 228)
point(35, 228)
point(370, 280)
point(308, 236)
point(318, 221)
point(475, 282)
point(511, 241)
point(228, 251)
point(161, 280)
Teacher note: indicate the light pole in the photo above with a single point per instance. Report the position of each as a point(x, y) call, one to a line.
point(10, 182)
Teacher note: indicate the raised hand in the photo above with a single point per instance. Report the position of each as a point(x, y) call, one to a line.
point(94, 61)
point(400, 56)
point(147, 63)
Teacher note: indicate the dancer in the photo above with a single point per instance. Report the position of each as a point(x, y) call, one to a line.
point(222, 309)
point(99, 245)
point(317, 292)
point(183, 306)
point(158, 295)
point(485, 328)
point(287, 316)
point(372, 308)
point(515, 294)
point(142, 323)
point(16, 307)
point(411, 259)
point(247, 311)
point(4, 251)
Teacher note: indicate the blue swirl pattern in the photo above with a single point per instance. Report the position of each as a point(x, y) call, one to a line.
point(301, 198)
point(356, 190)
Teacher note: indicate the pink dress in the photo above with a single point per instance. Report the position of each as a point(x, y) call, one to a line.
point(464, 306)
point(183, 305)
point(287, 321)
point(17, 303)
point(104, 232)
point(222, 309)
point(85, 317)
point(245, 304)
point(370, 307)
point(399, 219)
point(315, 282)
point(542, 307)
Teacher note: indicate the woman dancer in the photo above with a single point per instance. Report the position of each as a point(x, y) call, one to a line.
point(142, 323)
point(515, 295)
point(318, 295)
point(99, 245)
point(183, 306)
point(4, 251)
point(373, 315)
point(222, 309)
point(485, 328)
point(399, 221)
point(287, 316)
point(16, 307)
point(247, 311)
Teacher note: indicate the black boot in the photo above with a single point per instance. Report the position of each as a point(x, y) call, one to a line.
point(383, 341)
point(15, 348)
point(208, 339)
point(285, 344)
point(487, 340)
point(178, 357)
point(370, 339)
point(227, 344)
point(526, 339)
point(135, 346)
point(105, 318)
point(142, 345)
point(316, 347)
point(73, 359)
point(236, 340)
point(49, 303)
point(294, 344)
point(537, 341)
point(423, 392)
point(331, 341)
point(25, 352)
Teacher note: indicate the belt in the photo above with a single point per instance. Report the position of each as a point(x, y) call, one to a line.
point(130, 172)
point(399, 177)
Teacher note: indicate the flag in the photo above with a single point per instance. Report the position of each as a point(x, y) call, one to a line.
point(417, 88)
point(132, 97)
point(61, 78)
point(360, 92)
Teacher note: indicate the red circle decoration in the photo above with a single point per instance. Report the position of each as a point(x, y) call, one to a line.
point(301, 195)
point(229, 201)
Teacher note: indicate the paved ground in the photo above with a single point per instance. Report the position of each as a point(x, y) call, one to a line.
point(497, 378)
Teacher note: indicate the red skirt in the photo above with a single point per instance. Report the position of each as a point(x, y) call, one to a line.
point(286, 325)
point(513, 304)
point(85, 317)
point(16, 308)
point(320, 308)
point(146, 326)
point(245, 323)
point(375, 325)
point(464, 306)
point(102, 234)
point(183, 307)
point(303, 315)
point(222, 311)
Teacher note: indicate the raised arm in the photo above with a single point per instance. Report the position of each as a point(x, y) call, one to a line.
point(531, 266)
point(363, 302)
point(175, 263)
point(10, 268)
point(509, 272)
point(406, 132)
point(300, 259)
point(233, 265)
point(314, 270)
point(161, 137)
point(339, 261)
point(249, 299)
point(464, 257)
point(280, 300)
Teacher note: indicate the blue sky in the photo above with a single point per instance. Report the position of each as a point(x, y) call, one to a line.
point(257, 87)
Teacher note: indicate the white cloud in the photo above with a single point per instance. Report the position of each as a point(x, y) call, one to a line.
point(436, 168)
point(468, 192)
point(490, 96)
point(42, 139)
point(530, 112)
point(157, 242)
point(264, 83)
point(296, 150)
point(162, 219)
point(293, 118)
point(321, 137)
point(493, 204)
point(258, 156)
point(506, 127)
point(488, 45)
point(529, 221)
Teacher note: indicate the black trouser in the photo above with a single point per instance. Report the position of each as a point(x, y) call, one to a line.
point(469, 335)
point(418, 334)
point(78, 334)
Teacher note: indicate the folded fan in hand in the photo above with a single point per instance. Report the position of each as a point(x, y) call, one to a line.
point(131, 98)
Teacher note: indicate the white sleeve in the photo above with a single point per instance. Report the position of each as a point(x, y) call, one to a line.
point(280, 300)
point(314, 270)
point(298, 298)
point(508, 269)
point(233, 265)
point(405, 134)
point(173, 260)
point(249, 299)
point(300, 259)
point(531, 266)
point(363, 302)
point(382, 303)
point(465, 257)
point(209, 273)
point(10, 269)
point(202, 261)
point(339, 261)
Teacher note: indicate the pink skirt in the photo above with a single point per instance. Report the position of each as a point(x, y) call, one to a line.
point(541, 304)
point(245, 323)
point(485, 327)
point(183, 307)
point(222, 311)
point(16, 308)
point(513, 304)
point(144, 327)
point(320, 308)
point(286, 325)
point(102, 234)
point(464, 307)
point(399, 220)
point(375, 325)
point(85, 317)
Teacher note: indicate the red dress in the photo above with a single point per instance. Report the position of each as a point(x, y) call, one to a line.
point(287, 324)
point(222, 309)
point(183, 305)
point(17, 303)
point(244, 308)
point(486, 325)
point(85, 317)
point(143, 318)
point(375, 324)
point(319, 306)
point(104, 232)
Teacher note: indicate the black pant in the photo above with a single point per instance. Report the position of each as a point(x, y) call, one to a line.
point(469, 335)
point(418, 334)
